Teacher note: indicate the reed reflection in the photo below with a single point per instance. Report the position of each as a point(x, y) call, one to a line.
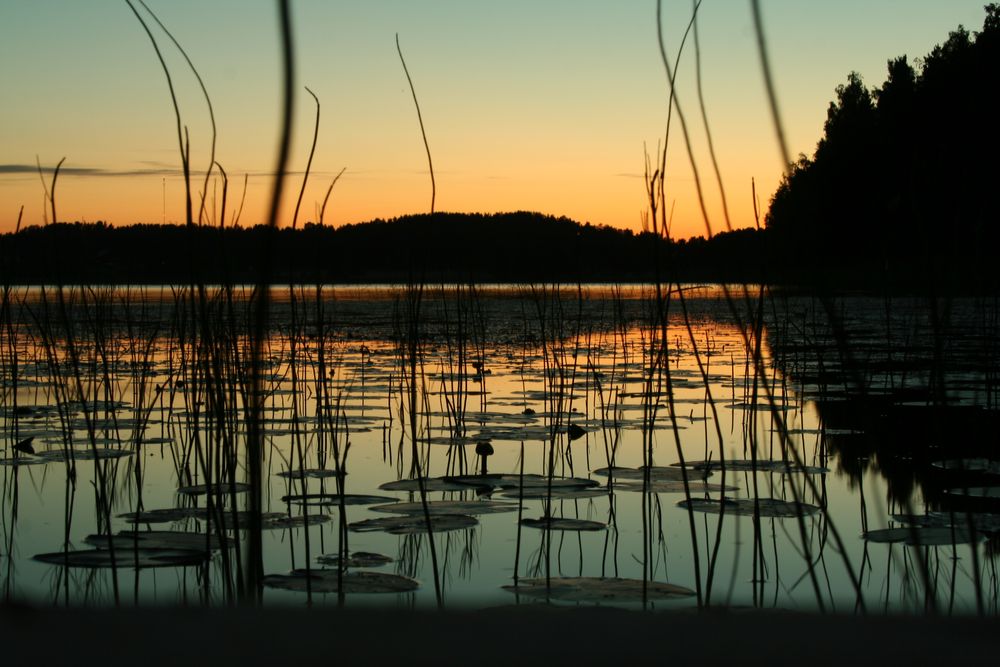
point(532, 430)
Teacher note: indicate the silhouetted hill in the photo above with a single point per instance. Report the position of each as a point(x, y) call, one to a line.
point(902, 185)
point(502, 247)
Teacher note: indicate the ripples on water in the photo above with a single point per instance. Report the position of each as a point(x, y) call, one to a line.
point(538, 412)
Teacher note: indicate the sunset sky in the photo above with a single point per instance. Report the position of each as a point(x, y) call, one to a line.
point(541, 105)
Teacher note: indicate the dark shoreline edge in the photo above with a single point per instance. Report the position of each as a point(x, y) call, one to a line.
point(511, 248)
point(524, 635)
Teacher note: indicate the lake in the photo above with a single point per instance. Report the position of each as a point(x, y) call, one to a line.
point(476, 446)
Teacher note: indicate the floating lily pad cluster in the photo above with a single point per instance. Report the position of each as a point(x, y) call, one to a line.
point(598, 589)
point(228, 518)
point(335, 499)
point(436, 507)
point(445, 513)
point(365, 405)
point(62, 455)
point(414, 524)
point(773, 508)
point(927, 536)
point(308, 473)
point(490, 483)
point(563, 523)
point(661, 479)
point(760, 465)
point(937, 529)
point(985, 522)
point(133, 549)
point(355, 559)
point(333, 581)
point(214, 489)
point(555, 493)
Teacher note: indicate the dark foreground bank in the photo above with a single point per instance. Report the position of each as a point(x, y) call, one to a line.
point(506, 636)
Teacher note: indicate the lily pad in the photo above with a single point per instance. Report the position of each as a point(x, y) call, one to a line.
point(656, 473)
point(23, 461)
point(200, 513)
point(162, 515)
point(335, 499)
point(768, 507)
point(917, 536)
point(84, 454)
point(24, 446)
point(597, 589)
point(760, 465)
point(125, 558)
point(640, 424)
point(469, 507)
point(515, 433)
point(530, 481)
point(889, 535)
point(356, 559)
point(155, 441)
point(154, 539)
point(519, 418)
point(921, 519)
point(983, 521)
point(452, 441)
point(242, 518)
point(284, 521)
point(214, 489)
point(412, 525)
point(313, 473)
point(673, 486)
point(565, 493)
point(326, 581)
point(560, 523)
point(431, 484)
point(757, 406)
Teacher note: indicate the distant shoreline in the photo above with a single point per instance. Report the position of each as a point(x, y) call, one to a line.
point(504, 248)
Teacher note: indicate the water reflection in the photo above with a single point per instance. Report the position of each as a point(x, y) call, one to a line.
point(798, 433)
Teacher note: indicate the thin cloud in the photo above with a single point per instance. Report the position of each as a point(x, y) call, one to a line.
point(17, 169)
point(158, 169)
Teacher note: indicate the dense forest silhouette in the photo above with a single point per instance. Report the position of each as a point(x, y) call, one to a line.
point(501, 247)
point(901, 186)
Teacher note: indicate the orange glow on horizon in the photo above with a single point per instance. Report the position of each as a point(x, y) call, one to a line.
point(595, 198)
point(550, 114)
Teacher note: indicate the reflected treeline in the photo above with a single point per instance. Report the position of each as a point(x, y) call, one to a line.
point(899, 385)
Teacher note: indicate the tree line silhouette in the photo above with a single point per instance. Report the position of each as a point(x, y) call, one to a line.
point(502, 247)
point(901, 187)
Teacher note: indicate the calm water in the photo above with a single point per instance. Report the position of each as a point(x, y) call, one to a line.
point(833, 419)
